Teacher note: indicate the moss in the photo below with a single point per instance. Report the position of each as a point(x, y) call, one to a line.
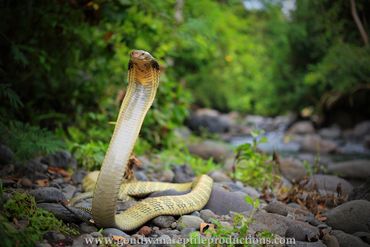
point(22, 206)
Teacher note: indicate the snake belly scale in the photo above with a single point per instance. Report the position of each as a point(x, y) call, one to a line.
point(108, 185)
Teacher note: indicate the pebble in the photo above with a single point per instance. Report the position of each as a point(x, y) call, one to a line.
point(78, 176)
point(167, 176)
point(346, 239)
point(195, 213)
point(219, 176)
point(69, 191)
point(355, 169)
point(96, 234)
point(350, 217)
point(48, 194)
point(26, 182)
point(307, 244)
point(145, 231)
point(164, 221)
point(183, 174)
point(61, 159)
point(52, 236)
point(140, 175)
point(279, 224)
point(81, 241)
point(87, 228)
point(231, 201)
point(327, 184)
point(64, 214)
point(302, 233)
point(186, 231)
point(361, 192)
point(189, 221)
point(108, 232)
point(207, 215)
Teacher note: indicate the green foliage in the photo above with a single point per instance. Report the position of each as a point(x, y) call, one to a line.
point(28, 141)
point(253, 167)
point(22, 206)
point(181, 156)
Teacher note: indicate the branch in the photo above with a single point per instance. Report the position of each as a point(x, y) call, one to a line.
point(358, 23)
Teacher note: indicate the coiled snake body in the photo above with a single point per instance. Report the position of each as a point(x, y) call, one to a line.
point(143, 81)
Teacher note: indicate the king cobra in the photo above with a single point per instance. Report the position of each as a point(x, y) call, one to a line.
point(108, 185)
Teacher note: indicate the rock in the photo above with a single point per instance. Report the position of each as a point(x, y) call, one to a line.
point(140, 175)
point(145, 231)
point(33, 166)
point(84, 240)
point(350, 217)
point(252, 192)
point(307, 244)
point(109, 232)
point(167, 176)
point(164, 240)
point(328, 184)
point(364, 236)
point(164, 221)
point(25, 182)
point(330, 240)
point(207, 215)
point(195, 213)
point(76, 216)
point(124, 205)
point(87, 228)
point(219, 176)
point(283, 209)
point(186, 231)
point(367, 141)
point(6, 155)
point(346, 240)
point(362, 129)
point(356, 169)
point(361, 192)
point(189, 221)
point(332, 132)
point(278, 224)
point(292, 169)
point(314, 144)
point(222, 201)
point(183, 174)
point(301, 128)
point(69, 191)
point(302, 233)
point(52, 236)
point(210, 149)
point(62, 159)
point(96, 234)
point(78, 176)
point(208, 119)
point(48, 194)
point(43, 244)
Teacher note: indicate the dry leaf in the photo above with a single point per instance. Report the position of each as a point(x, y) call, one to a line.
point(58, 170)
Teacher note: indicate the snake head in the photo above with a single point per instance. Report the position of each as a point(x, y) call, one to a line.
point(140, 56)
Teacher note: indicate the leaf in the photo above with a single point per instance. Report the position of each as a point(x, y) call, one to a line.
point(58, 170)
point(249, 200)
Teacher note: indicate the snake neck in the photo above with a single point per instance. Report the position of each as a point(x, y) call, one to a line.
point(142, 87)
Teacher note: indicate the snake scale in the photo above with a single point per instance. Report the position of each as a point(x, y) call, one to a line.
point(108, 185)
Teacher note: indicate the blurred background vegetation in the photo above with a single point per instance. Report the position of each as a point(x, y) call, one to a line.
point(63, 64)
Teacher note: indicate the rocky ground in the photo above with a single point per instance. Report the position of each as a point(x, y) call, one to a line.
point(325, 205)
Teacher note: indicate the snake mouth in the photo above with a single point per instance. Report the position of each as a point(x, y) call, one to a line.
point(140, 56)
